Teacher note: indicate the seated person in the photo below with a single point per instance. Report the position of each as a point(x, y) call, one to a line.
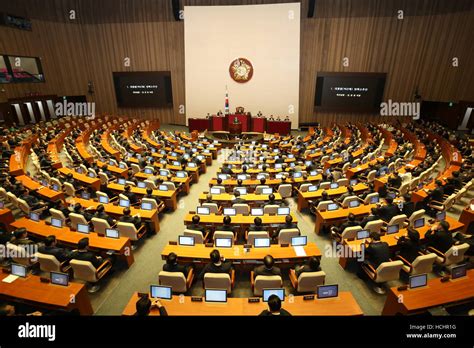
point(59, 205)
point(149, 195)
point(33, 202)
point(50, 248)
point(132, 197)
point(388, 211)
point(226, 170)
point(237, 199)
point(257, 225)
point(374, 215)
point(274, 307)
point(172, 265)
point(78, 210)
point(144, 305)
point(227, 225)
point(439, 237)
point(312, 265)
point(101, 214)
point(395, 180)
point(268, 268)
point(20, 237)
point(126, 217)
point(349, 193)
point(408, 206)
point(314, 203)
point(409, 245)
point(288, 223)
point(376, 252)
point(351, 222)
point(195, 226)
point(217, 265)
point(82, 253)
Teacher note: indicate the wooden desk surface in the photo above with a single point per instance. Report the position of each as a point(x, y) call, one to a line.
point(237, 252)
point(239, 219)
point(255, 182)
point(31, 289)
point(114, 209)
point(345, 304)
point(333, 192)
point(434, 294)
point(93, 182)
point(142, 191)
point(247, 197)
point(45, 192)
point(342, 213)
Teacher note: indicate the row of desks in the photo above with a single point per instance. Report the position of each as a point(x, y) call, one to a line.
point(303, 197)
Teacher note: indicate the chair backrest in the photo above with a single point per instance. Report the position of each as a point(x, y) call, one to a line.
point(348, 200)
point(270, 209)
point(323, 205)
point(416, 215)
point(285, 190)
point(266, 282)
point(371, 175)
point(48, 263)
point(122, 196)
point(176, 280)
point(374, 226)
point(19, 254)
point(218, 281)
point(388, 271)
point(77, 219)
point(309, 281)
point(198, 237)
point(152, 201)
point(259, 189)
point(213, 207)
point(324, 185)
point(455, 254)
point(57, 214)
point(104, 179)
point(25, 208)
point(12, 198)
point(128, 230)
point(150, 184)
point(84, 270)
point(171, 186)
point(350, 233)
point(69, 189)
point(370, 196)
point(256, 234)
point(398, 220)
point(343, 182)
point(3, 194)
point(345, 167)
point(55, 181)
point(285, 235)
point(404, 188)
point(241, 208)
point(304, 187)
point(423, 264)
point(135, 168)
point(100, 225)
point(224, 234)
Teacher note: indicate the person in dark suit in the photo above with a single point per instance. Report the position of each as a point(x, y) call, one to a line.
point(351, 222)
point(144, 305)
point(312, 265)
point(59, 205)
point(20, 237)
point(237, 199)
point(274, 307)
point(136, 220)
point(288, 223)
point(382, 191)
point(150, 195)
point(268, 268)
point(226, 170)
point(409, 245)
point(439, 237)
point(374, 215)
point(78, 210)
point(101, 214)
point(82, 253)
point(376, 252)
point(195, 226)
point(132, 197)
point(395, 181)
point(33, 202)
point(217, 265)
point(172, 265)
point(227, 220)
point(437, 193)
point(388, 211)
point(50, 248)
point(257, 225)
point(408, 205)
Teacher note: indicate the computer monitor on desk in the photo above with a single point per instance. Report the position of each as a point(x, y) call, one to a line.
point(159, 291)
point(216, 295)
point(261, 242)
point(327, 291)
point(266, 293)
point(418, 281)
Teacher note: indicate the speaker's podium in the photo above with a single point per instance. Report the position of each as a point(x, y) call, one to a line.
point(235, 127)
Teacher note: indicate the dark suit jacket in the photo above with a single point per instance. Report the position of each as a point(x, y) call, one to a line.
point(305, 268)
point(176, 268)
point(104, 216)
point(440, 240)
point(86, 256)
point(437, 194)
point(267, 313)
point(377, 253)
point(408, 249)
point(224, 267)
point(131, 196)
point(130, 219)
point(387, 212)
point(369, 218)
point(263, 271)
point(60, 253)
point(408, 208)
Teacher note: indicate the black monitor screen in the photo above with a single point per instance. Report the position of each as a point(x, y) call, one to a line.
point(143, 89)
point(349, 91)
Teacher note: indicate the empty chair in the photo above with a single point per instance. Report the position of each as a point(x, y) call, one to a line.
point(343, 182)
point(264, 282)
point(85, 271)
point(25, 208)
point(77, 219)
point(171, 186)
point(371, 196)
point(55, 181)
point(104, 179)
point(49, 263)
point(176, 280)
point(271, 209)
point(199, 238)
point(58, 214)
point(422, 264)
point(3, 194)
point(240, 208)
point(150, 184)
point(374, 226)
point(20, 255)
point(418, 214)
point(12, 199)
point(385, 272)
point(454, 255)
point(307, 281)
point(350, 233)
point(219, 281)
point(259, 189)
point(100, 225)
point(128, 230)
point(285, 235)
point(135, 168)
point(285, 190)
point(69, 189)
point(370, 177)
point(348, 200)
point(251, 235)
point(152, 201)
point(325, 185)
point(323, 205)
point(213, 207)
point(304, 187)
point(100, 194)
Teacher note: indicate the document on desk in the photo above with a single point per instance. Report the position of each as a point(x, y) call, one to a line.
point(10, 279)
point(299, 251)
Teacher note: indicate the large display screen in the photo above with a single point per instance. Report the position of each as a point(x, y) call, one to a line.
point(349, 91)
point(143, 89)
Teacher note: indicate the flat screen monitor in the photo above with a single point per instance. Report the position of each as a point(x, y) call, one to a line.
point(297, 175)
point(56, 187)
point(229, 211)
point(441, 216)
point(267, 191)
point(103, 199)
point(83, 228)
point(374, 199)
point(223, 242)
point(334, 185)
point(141, 184)
point(261, 242)
point(147, 206)
point(112, 233)
point(266, 293)
point(58, 278)
point(328, 291)
point(186, 240)
point(180, 175)
point(459, 271)
point(163, 188)
point(419, 223)
point(283, 211)
point(312, 188)
point(192, 165)
point(91, 175)
point(203, 210)
point(256, 212)
point(122, 181)
point(362, 234)
point(164, 172)
point(333, 206)
point(393, 229)
point(299, 241)
point(215, 191)
point(214, 295)
point(56, 222)
point(148, 171)
point(18, 270)
point(124, 203)
point(242, 177)
point(177, 164)
point(418, 281)
point(353, 182)
point(354, 204)
point(160, 291)
point(34, 217)
point(242, 190)
point(222, 176)
point(86, 195)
